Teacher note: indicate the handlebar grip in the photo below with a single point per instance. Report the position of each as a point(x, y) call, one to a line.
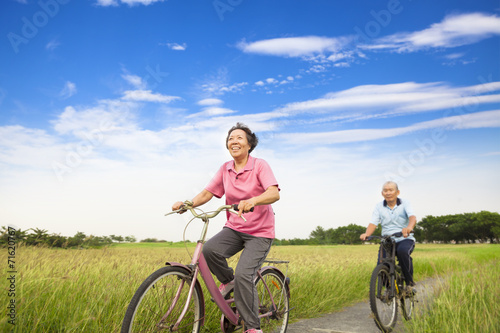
point(235, 207)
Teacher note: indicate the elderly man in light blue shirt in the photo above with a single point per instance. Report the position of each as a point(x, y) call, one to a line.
point(395, 215)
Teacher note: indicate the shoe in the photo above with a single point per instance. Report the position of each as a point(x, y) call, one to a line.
point(253, 330)
point(410, 290)
point(226, 288)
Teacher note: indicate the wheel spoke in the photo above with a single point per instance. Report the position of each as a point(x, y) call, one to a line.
point(383, 306)
point(273, 315)
point(159, 301)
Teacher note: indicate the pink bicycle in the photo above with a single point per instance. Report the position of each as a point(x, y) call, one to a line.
point(171, 299)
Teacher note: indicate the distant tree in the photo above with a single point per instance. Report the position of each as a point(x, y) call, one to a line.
point(55, 240)
point(76, 240)
point(130, 239)
point(37, 236)
point(318, 235)
point(150, 240)
point(20, 235)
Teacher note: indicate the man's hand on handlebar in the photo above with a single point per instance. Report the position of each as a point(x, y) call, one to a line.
point(406, 232)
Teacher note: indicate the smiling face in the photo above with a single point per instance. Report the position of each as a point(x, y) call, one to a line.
point(390, 192)
point(237, 144)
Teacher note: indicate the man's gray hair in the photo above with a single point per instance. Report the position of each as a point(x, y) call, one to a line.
point(390, 182)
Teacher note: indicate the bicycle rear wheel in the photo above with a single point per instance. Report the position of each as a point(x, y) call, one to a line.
point(153, 307)
point(384, 307)
point(273, 319)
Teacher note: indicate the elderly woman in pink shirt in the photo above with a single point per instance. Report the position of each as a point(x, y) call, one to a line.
point(250, 183)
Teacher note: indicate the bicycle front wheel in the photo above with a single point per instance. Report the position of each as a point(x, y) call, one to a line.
point(274, 297)
point(160, 300)
point(408, 304)
point(383, 306)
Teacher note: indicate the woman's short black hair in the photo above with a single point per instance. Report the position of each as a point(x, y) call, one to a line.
point(252, 139)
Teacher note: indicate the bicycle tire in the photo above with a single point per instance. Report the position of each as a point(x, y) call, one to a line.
point(154, 297)
point(277, 321)
point(384, 308)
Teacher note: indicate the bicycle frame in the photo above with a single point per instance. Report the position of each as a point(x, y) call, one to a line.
point(199, 266)
point(391, 262)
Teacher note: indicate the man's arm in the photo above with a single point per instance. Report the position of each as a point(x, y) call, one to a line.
point(369, 231)
point(411, 225)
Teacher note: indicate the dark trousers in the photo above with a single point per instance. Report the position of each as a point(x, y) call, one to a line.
point(404, 250)
point(255, 249)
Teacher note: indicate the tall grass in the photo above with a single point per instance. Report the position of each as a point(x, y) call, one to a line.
point(89, 290)
point(468, 301)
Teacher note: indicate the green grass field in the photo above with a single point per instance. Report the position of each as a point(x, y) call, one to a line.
point(89, 290)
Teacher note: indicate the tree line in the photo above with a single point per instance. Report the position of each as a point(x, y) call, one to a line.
point(41, 237)
point(458, 228)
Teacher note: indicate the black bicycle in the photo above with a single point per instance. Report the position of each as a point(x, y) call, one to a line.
point(387, 286)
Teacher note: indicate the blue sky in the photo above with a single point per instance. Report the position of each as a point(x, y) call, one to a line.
point(112, 110)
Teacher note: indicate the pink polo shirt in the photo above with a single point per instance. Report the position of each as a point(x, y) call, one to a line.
point(249, 182)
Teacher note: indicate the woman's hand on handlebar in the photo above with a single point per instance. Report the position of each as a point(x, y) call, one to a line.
point(177, 206)
point(245, 206)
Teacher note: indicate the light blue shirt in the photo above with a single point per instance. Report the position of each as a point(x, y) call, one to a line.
point(393, 220)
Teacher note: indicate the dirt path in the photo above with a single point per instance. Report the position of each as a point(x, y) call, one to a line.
point(357, 318)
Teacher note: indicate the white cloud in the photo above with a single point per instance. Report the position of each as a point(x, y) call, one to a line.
point(107, 115)
point(147, 96)
point(295, 46)
point(210, 102)
point(455, 30)
point(394, 99)
point(126, 173)
point(176, 46)
point(135, 81)
point(211, 112)
point(106, 3)
point(220, 88)
point(68, 90)
point(486, 119)
point(52, 45)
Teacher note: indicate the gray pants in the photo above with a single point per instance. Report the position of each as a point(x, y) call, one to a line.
point(255, 249)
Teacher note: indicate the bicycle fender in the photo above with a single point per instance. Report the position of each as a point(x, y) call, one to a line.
point(176, 264)
point(189, 269)
point(280, 273)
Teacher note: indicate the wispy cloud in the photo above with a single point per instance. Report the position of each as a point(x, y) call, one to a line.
point(455, 30)
point(52, 45)
point(106, 3)
point(176, 46)
point(68, 90)
point(147, 96)
point(394, 99)
point(211, 112)
point(486, 119)
point(210, 102)
point(136, 81)
point(302, 47)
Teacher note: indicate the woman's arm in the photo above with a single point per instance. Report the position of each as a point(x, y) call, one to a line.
point(201, 198)
point(270, 195)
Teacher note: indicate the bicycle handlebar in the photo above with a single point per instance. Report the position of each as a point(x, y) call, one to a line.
point(397, 234)
point(188, 205)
